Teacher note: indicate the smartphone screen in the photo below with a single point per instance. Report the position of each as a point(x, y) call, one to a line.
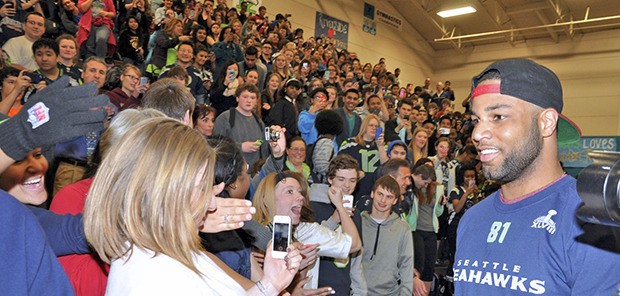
point(305, 65)
point(144, 80)
point(378, 132)
point(347, 201)
point(281, 235)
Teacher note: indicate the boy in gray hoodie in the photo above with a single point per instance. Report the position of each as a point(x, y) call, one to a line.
point(387, 257)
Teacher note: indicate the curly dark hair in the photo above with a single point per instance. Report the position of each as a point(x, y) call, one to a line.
point(328, 122)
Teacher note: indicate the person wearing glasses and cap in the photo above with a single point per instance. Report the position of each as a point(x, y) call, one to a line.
point(521, 239)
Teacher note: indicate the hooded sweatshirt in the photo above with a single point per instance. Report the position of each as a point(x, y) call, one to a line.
point(387, 257)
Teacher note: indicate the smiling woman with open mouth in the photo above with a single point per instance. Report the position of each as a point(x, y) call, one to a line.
point(25, 179)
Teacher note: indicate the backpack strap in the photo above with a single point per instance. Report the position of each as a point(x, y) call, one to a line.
point(231, 117)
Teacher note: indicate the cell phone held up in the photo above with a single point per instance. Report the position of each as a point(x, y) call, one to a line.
point(231, 74)
point(281, 236)
point(378, 132)
point(347, 201)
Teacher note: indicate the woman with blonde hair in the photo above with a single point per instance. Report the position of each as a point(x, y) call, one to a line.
point(286, 194)
point(368, 149)
point(281, 66)
point(419, 144)
point(150, 197)
point(87, 273)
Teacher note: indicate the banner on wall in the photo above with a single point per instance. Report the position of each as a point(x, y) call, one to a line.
point(576, 155)
point(327, 26)
point(253, 5)
point(390, 20)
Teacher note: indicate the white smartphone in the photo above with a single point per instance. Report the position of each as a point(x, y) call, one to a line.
point(347, 201)
point(281, 236)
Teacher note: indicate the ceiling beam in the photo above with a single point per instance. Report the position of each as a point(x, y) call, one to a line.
point(527, 8)
point(443, 30)
point(562, 14)
point(496, 12)
point(471, 37)
point(545, 21)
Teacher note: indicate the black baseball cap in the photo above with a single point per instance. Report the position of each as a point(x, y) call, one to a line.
point(531, 82)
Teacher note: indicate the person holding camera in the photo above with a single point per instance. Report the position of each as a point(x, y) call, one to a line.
point(306, 119)
point(243, 125)
point(401, 127)
point(462, 197)
point(15, 84)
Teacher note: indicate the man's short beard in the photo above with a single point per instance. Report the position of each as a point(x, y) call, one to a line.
point(519, 161)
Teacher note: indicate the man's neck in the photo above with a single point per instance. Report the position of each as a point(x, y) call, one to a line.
point(66, 62)
point(52, 74)
point(532, 179)
point(184, 64)
point(347, 111)
point(31, 38)
point(244, 112)
point(380, 216)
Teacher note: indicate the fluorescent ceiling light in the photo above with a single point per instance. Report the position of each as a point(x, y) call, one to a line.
point(456, 11)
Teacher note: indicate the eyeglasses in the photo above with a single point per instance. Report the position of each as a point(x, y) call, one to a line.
point(298, 149)
point(134, 78)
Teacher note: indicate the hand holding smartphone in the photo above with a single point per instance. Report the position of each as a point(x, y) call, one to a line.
point(281, 236)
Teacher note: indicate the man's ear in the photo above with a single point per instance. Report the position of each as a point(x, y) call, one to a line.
point(548, 122)
point(187, 119)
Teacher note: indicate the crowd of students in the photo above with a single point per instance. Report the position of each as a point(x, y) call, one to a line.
point(292, 125)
